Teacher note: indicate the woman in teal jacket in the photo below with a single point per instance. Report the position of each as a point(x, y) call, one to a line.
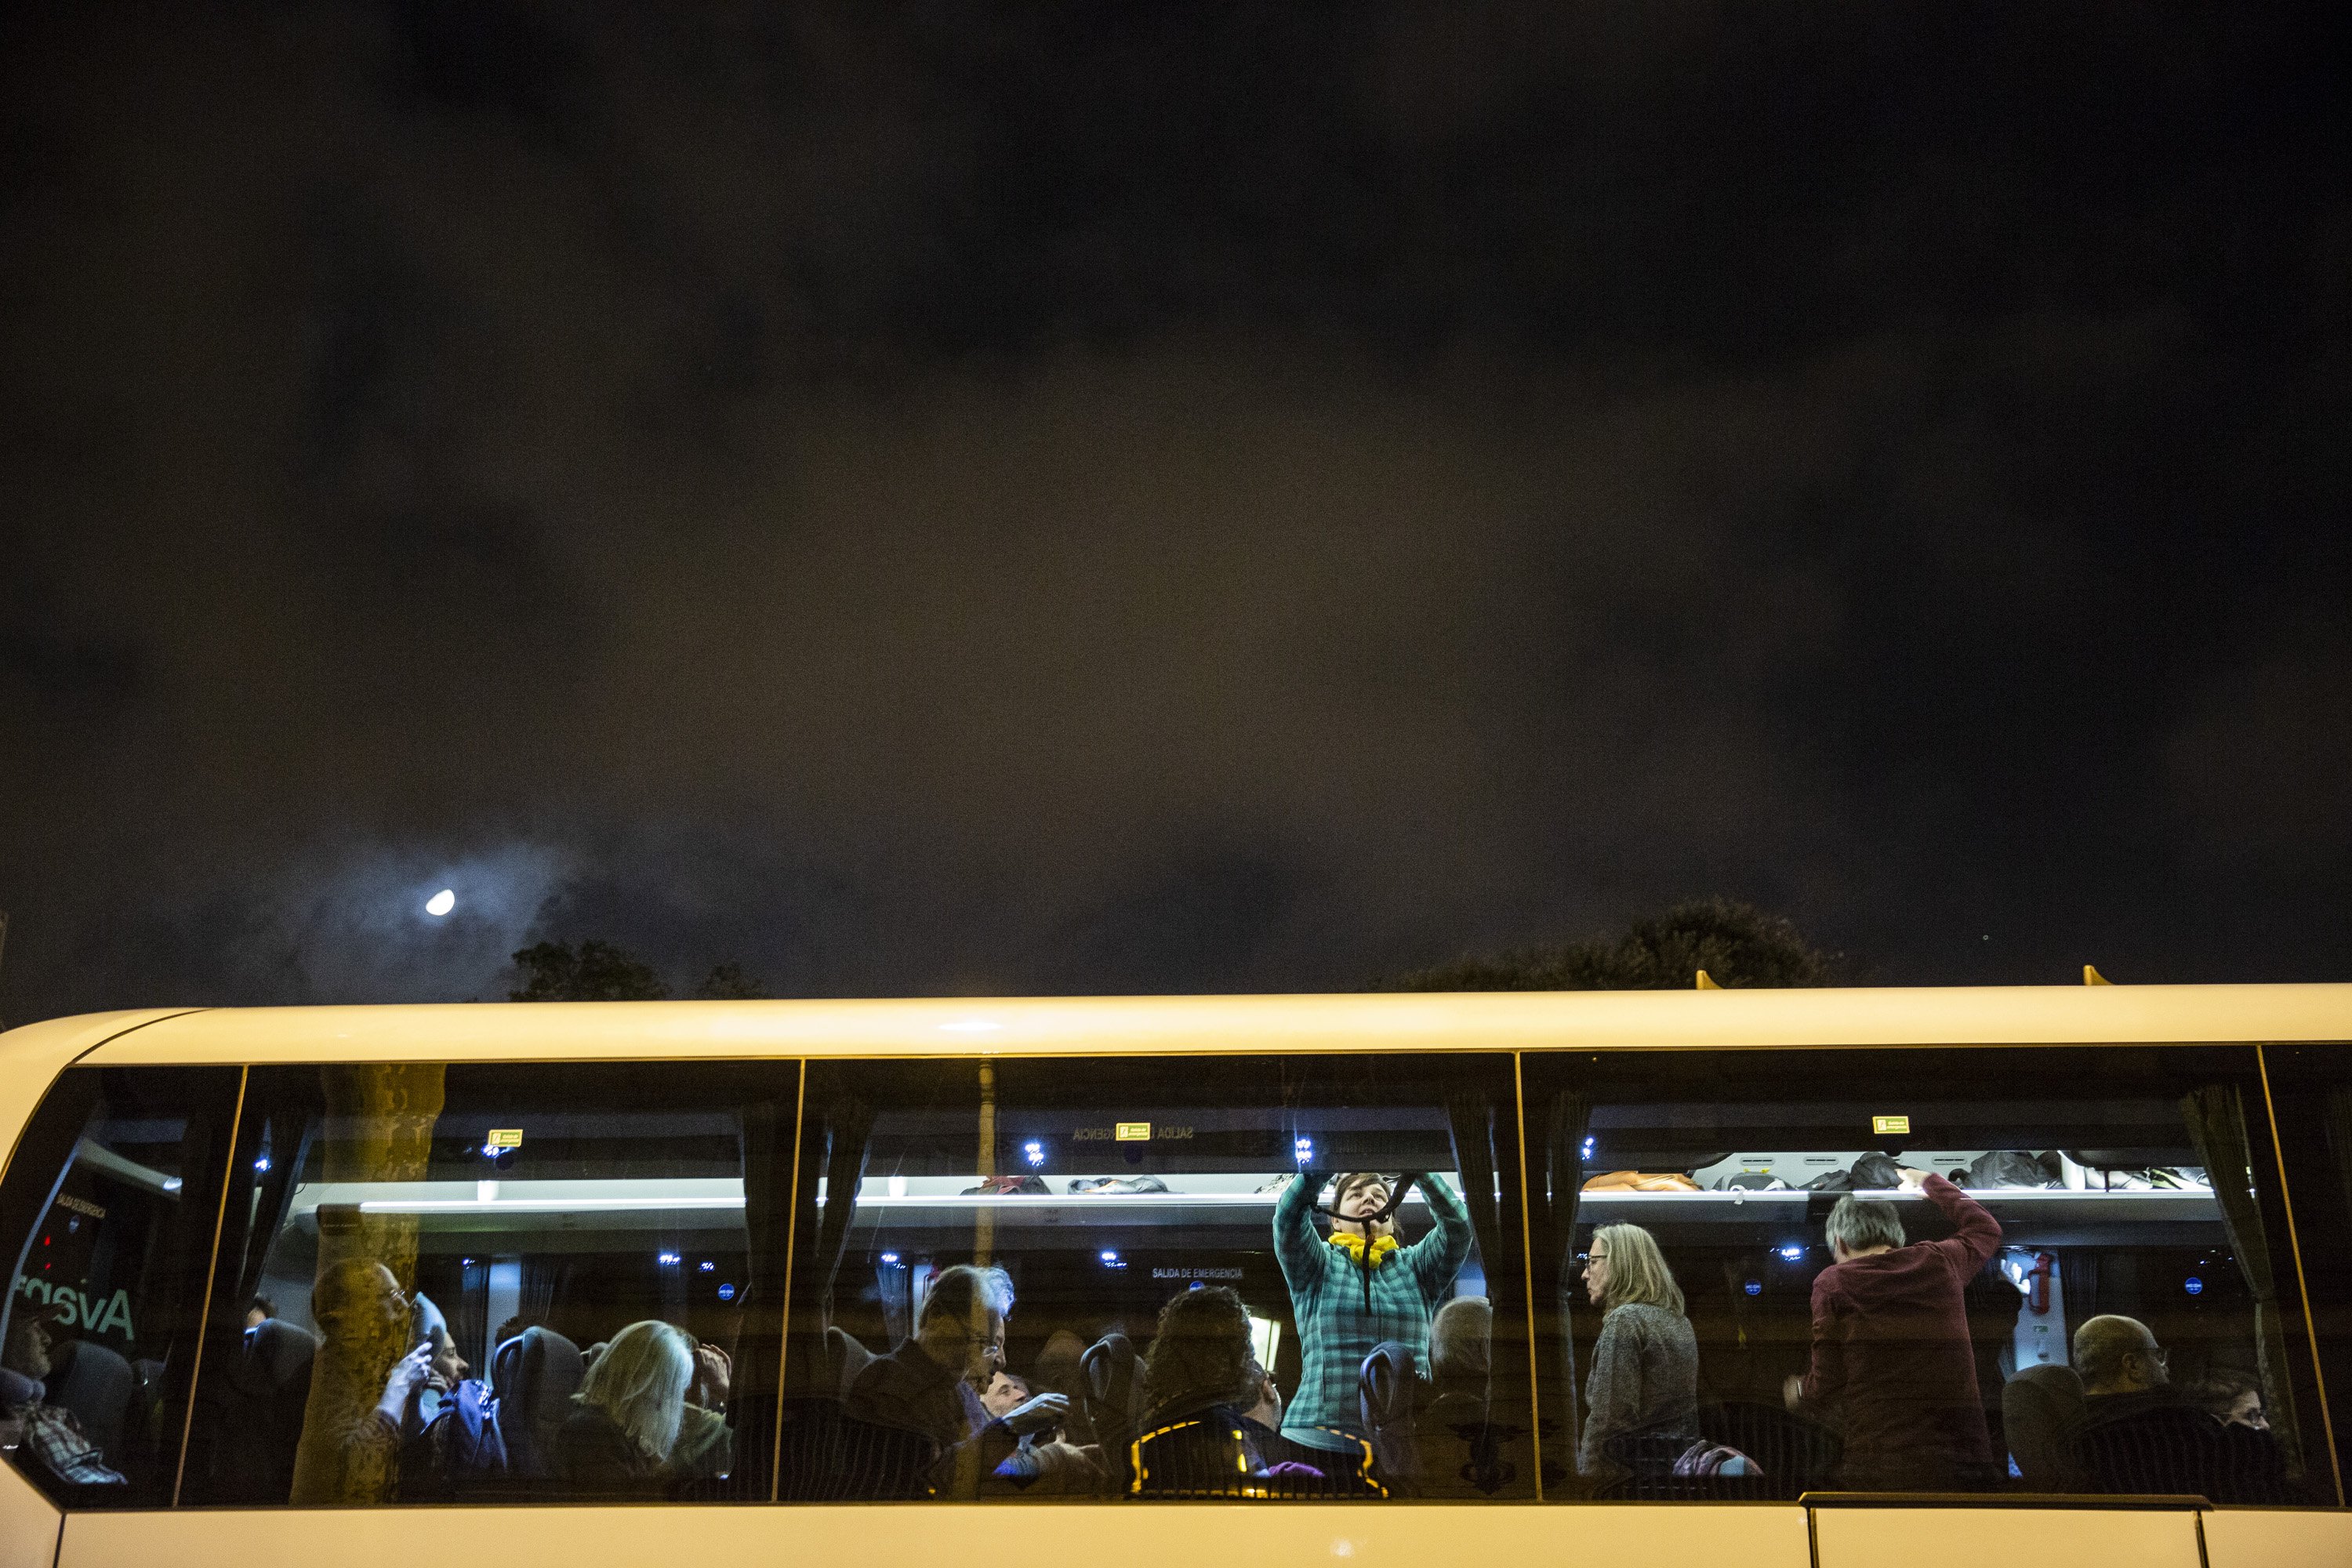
point(1358, 1288)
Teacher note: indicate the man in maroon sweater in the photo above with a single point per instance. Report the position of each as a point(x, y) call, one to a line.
point(1891, 1356)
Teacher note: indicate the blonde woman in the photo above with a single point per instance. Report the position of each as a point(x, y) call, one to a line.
point(631, 1426)
point(1645, 1366)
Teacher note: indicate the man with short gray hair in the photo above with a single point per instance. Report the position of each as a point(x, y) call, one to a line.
point(1892, 1355)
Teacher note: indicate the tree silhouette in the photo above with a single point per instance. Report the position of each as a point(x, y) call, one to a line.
point(1739, 947)
point(728, 982)
point(596, 971)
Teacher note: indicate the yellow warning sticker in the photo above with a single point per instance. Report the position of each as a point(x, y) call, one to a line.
point(504, 1138)
point(1133, 1132)
point(1883, 1125)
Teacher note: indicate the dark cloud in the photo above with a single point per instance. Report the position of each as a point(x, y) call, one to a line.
point(970, 499)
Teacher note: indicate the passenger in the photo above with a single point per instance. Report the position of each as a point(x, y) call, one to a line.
point(930, 1385)
point(2117, 1356)
point(2039, 1409)
point(352, 1422)
point(1212, 1417)
point(1060, 1370)
point(633, 1428)
point(1357, 1289)
point(1644, 1382)
point(1004, 1393)
point(451, 1435)
point(447, 1369)
point(1892, 1355)
point(50, 1434)
point(2141, 1434)
point(1265, 1412)
point(1201, 1358)
point(2233, 1397)
point(1457, 1447)
point(259, 1311)
point(1461, 1350)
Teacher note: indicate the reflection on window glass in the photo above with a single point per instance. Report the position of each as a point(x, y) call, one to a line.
point(1933, 1274)
point(109, 1205)
point(1217, 1276)
point(494, 1284)
point(2311, 1091)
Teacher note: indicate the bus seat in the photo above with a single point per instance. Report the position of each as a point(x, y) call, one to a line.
point(1111, 1383)
point(261, 1412)
point(828, 1456)
point(535, 1374)
point(845, 1358)
point(1385, 1392)
point(1110, 1368)
point(95, 1384)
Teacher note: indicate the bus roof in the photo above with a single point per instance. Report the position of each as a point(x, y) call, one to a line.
point(1407, 1021)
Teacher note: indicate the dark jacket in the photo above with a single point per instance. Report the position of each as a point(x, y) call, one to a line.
point(593, 1454)
point(2158, 1444)
point(1891, 1356)
point(910, 1391)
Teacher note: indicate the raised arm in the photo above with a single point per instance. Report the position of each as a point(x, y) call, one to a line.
point(1438, 1256)
point(1976, 1235)
point(1297, 1245)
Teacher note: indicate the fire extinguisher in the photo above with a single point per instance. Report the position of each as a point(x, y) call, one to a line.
point(2037, 1292)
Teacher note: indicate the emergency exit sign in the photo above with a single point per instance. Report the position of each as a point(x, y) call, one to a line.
point(1883, 1125)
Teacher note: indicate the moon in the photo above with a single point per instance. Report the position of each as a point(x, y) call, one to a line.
point(441, 903)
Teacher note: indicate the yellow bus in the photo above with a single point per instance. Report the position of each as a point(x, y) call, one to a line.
point(1779, 1278)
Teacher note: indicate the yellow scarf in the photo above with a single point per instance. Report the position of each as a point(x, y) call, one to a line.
point(1353, 1245)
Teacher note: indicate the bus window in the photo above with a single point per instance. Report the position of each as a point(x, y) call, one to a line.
point(476, 1283)
point(107, 1215)
point(1230, 1277)
point(2311, 1096)
point(2027, 1271)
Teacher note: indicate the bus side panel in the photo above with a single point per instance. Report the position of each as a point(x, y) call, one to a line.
point(1973, 1537)
point(1232, 1535)
point(2277, 1538)
point(28, 1523)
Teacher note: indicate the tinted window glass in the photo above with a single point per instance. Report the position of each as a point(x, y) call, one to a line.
point(497, 1283)
point(2311, 1096)
point(107, 1215)
point(2050, 1271)
point(1119, 1279)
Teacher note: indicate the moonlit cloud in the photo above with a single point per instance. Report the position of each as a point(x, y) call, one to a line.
point(1152, 503)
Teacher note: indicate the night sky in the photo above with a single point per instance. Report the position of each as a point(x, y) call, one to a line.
point(1007, 498)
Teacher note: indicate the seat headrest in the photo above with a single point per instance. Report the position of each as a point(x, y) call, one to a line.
point(282, 1350)
point(1385, 1387)
point(78, 1361)
point(17, 1389)
point(546, 1372)
point(1108, 1362)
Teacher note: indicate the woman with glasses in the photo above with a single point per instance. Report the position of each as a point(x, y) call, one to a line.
point(1643, 1399)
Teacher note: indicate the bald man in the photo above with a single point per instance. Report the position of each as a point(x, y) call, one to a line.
point(2116, 1355)
point(2138, 1433)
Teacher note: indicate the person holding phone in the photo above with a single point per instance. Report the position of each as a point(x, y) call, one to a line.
point(351, 1424)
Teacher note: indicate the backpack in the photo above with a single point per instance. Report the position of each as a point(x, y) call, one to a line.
point(462, 1443)
point(1706, 1458)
